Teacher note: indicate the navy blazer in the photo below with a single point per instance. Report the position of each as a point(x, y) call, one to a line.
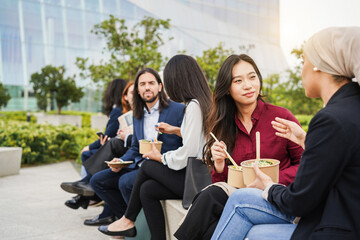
point(112, 127)
point(173, 115)
point(326, 190)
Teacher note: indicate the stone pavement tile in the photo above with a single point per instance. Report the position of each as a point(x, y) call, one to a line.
point(32, 206)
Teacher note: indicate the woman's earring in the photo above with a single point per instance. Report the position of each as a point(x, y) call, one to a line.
point(315, 69)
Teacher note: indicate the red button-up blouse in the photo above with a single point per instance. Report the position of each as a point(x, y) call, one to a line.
point(271, 146)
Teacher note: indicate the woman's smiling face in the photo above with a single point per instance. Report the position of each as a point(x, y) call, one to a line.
point(245, 85)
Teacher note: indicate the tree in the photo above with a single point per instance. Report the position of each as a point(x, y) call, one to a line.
point(130, 50)
point(290, 94)
point(4, 96)
point(212, 59)
point(50, 84)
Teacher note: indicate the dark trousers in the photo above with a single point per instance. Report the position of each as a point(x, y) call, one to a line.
point(84, 157)
point(153, 183)
point(87, 154)
point(114, 188)
point(96, 163)
point(204, 214)
point(113, 148)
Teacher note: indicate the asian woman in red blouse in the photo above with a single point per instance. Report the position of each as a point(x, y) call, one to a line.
point(237, 113)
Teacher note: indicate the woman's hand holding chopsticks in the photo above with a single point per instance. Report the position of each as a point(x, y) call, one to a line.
point(218, 155)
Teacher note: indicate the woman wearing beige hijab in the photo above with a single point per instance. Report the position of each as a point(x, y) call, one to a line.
point(325, 195)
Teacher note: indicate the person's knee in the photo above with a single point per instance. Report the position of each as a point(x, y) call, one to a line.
point(95, 182)
point(244, 195)
point(210, 193)
point(125, 184)
point(148, 189)
point(146, 165)
point(149, 166)
point(84, 156)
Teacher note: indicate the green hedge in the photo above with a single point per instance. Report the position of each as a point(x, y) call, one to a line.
point(45, 143)
point(304, 121)
point(21, 116)
point(16, 115)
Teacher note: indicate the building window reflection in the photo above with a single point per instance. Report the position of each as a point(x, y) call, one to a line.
point(61, 32)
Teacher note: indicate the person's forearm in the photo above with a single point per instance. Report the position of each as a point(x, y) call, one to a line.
point(177, 131)
point(219, 167)
point(300, 141)
point(303, 141)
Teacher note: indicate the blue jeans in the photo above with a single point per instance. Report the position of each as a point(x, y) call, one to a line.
point(114, 188)
point(248, 215)
point(85, 176)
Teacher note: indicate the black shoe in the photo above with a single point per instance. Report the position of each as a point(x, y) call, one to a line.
point(82, 188)
point(131, 232)
point(96, 221)
point(77, 201)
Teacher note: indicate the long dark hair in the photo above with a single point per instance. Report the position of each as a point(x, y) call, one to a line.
point(221, 120)
point(184, 80)
point(113, 94)
point(125, 104)
point(138, 102)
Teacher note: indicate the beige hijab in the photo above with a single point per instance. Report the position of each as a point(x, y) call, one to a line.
point(336, 50)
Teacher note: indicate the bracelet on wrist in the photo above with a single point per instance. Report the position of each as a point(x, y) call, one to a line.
point(163, 159)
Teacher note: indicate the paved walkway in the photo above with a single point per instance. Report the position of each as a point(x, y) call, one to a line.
point(32, 206)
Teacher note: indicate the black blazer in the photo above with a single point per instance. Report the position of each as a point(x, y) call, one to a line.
point(326, 190)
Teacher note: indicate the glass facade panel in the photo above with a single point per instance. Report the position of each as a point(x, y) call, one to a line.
point(73, 3)
point(91, 20)
point(54, 26)
point(53, 2)
point(110, 7)
point(35, 58)
point(74, 28)
point(196, 26)
point(32, 22)
point(10, 43)
point(127, 10)
point(9, 15)
point(11, 61)
point(92, 5)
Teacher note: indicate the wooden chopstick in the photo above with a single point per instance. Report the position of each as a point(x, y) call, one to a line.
point(227, 154)
point(257, 138)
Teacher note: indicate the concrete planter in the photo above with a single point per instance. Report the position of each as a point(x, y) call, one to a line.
point(174, 213)
point(10, 160)
point(57, 120)
point(99, 121)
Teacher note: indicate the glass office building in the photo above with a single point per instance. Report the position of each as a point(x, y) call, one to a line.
point(34, 33)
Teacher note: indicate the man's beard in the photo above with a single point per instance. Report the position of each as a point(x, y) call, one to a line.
point(151, 100)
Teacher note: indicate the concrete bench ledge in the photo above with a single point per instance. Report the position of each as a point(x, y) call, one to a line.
point(10, 160)
point(99, 121)
point(57, 120)
point(174, 213)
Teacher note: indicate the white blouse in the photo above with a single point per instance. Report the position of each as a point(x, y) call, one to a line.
point(193, 138)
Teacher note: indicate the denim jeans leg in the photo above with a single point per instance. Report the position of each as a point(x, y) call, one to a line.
point(271, 232)
point(244, 209)
point(85, 156)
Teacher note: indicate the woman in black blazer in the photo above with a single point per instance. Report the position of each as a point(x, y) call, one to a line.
point(325, 195)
